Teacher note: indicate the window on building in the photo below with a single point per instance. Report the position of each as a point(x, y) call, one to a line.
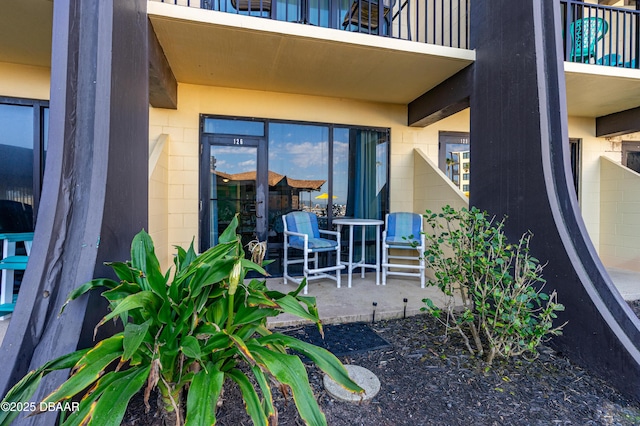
point(631, 155)
point(23, 147)
point(574, 151)
point(329, 170)
point(454, 158)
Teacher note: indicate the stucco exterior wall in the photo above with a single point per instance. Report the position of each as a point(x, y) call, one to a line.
point(182, 157)
point(432, 188)
point(619, 216)
point(159, 198)
point(182, 126)
point(592, 148)
point(24, 81)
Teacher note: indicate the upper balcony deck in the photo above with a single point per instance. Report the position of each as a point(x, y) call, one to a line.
point(439, 22)
point(600, 35)
point(349, 48)
point(337, 48)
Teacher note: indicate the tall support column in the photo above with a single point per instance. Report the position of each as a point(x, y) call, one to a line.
point(94, 198)
point(520, 157)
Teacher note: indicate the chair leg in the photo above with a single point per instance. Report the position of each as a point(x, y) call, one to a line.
point(286, 265)
point(338, 270)
point(305, 271)
point(384, 268)
point(422, 272)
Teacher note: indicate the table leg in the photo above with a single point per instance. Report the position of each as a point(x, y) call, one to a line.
point(362, 252)
point(350, 267)
point(377, 254)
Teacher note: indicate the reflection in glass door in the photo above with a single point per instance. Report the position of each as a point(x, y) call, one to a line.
point(263, 169)
point(454, 158)
point(234, 187)
point(233, 190)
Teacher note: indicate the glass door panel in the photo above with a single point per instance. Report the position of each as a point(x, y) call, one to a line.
point(16, 168)
point(298, 179)
point(454, 158)
point(233, 183)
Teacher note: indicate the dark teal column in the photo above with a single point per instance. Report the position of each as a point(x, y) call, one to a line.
point(94, 197)
point(520, 153)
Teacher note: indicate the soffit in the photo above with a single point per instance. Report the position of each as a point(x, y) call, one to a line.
point(25, 32)
point(284, 57)
point(596, 91)
point(221, 49)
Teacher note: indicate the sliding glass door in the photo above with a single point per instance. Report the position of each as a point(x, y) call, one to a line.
point(263, 169)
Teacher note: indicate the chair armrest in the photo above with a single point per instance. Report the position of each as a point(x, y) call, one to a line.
point(334, 233)
point(296, 234)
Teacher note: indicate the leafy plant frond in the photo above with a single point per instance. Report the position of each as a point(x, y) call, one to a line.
point(184, 334)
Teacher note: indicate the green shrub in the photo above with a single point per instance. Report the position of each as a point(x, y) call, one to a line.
point(493, 288)
point(185, 336)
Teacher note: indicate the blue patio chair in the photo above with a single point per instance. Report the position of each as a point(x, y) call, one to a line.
point(301, 233)
point(403, 233)
point(585, 34)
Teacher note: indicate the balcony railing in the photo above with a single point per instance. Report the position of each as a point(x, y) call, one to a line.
point(601, 35)
point(593, 34)
point(440, 22)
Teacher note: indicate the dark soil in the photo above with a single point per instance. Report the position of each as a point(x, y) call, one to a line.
point(428, 381)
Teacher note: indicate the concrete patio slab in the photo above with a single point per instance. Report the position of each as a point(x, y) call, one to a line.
point(355, 304)
point(627, 282)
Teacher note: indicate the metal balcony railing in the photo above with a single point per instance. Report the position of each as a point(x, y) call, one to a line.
point(601, 35)
point(440, 22)
point(594, 34)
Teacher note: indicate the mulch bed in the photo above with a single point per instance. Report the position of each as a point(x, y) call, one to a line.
point(427, 380)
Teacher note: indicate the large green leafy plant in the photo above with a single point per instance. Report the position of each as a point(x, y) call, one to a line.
point(493, 288)
point(184, 336)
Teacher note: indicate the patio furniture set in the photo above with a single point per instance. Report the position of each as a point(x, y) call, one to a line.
point(402, 244)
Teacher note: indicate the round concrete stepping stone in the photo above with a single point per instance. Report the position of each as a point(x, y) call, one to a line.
point(363, 377)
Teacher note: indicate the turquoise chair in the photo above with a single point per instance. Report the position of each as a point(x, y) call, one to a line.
point(585, 34)
point(9, 264)
point(403, 234)
point(301, 233)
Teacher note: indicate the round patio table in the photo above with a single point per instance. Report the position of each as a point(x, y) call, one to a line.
point(351, 264)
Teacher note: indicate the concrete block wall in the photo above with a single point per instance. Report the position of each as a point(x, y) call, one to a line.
point(619, 216)
point(158, 201)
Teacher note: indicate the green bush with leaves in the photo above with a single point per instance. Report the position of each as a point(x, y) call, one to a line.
point(493, 288)
point(185, 336)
